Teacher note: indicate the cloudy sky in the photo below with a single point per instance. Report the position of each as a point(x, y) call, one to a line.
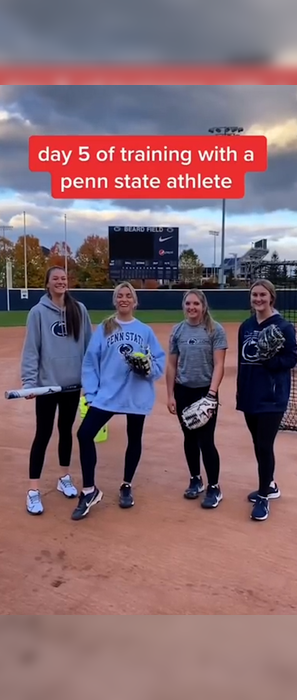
point(113, 30)
point(269, 209)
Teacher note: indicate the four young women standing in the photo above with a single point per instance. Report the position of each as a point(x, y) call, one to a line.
point(60, 349)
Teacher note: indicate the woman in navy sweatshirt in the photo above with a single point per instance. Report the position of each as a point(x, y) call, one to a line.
point(263, 389)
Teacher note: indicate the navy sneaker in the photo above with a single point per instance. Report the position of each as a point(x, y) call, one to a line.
point(195, 488)
point(126, 496)
point(213, 497)
point(85, 502)
point(261, 509)
point(273, 492)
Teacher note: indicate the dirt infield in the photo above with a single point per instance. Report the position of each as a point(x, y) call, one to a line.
point(166, 556)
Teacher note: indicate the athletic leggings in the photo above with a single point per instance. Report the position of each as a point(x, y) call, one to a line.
point(95, 419)
point(200, 440)
point(263, 428)
point(46, 407)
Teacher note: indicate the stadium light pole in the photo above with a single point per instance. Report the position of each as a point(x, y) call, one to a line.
point(65, 244)
point(215, 234)
point(25, 250)
point(8, 265)
point(224, 131)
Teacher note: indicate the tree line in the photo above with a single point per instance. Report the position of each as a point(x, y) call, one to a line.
point(88, 267)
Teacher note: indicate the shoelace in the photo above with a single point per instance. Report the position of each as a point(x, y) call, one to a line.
point(262, 501)
point(35, 498)
point(66, 480)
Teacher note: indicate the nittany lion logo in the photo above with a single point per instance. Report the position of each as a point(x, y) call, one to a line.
point(250, 350)
point(125, 349)
point(193, 341)
point(59, 329)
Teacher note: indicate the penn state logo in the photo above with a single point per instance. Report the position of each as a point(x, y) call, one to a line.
point(125, 349)
point(250, 350)
point(192, 341)
point(59, 329)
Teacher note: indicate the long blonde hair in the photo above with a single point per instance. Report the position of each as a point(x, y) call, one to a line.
point(207, 318)
point(269, 288)
point(111, 324)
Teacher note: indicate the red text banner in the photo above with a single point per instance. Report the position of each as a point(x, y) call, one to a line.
point(148, 167)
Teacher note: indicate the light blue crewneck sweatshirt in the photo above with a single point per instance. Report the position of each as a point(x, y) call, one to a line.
point(107, 380)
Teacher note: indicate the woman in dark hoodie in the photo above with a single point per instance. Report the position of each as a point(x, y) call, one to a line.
point(58, 333)
point(263, 388)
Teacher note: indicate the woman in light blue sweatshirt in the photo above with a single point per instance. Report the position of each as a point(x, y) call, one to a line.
point(58, 333)
point(111, 387)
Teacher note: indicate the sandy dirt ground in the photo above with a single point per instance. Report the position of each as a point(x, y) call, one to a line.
point(166, 556)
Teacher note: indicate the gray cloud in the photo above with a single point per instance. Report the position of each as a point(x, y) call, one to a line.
point(159, 30)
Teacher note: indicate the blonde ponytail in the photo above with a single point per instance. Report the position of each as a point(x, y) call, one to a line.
point(110, 325)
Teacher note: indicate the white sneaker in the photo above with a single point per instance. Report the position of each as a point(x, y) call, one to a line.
point(34, 503)
point(66, 486)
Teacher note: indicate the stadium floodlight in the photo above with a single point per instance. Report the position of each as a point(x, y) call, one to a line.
point(215, 234)
point(224, 131)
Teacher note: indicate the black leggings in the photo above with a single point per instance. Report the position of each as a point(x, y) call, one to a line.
point(92, 423)
point(263, 428)
point(46, 407)
point(200, 440)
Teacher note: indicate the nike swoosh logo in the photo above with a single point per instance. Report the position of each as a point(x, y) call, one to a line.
point(164, 239)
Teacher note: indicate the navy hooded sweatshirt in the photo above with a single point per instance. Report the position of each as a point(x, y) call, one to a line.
point(264, 386)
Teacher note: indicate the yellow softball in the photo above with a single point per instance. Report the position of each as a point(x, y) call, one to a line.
point(139, 354)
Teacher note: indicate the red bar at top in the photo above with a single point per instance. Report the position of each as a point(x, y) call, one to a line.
point(169, 74)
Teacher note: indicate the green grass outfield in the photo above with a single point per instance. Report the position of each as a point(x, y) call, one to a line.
point(18, 318)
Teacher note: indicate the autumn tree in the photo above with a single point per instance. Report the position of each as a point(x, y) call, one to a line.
point(188, 258)
point(57, 257)
point(93, 263)
point(6, 253)
point(191, 268)
point(36, 263)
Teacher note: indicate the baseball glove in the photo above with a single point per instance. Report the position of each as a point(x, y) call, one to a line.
point(270, 342)
point(200, 412)
point(140, 363)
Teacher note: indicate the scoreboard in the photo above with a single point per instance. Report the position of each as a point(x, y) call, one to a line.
point(143, 252)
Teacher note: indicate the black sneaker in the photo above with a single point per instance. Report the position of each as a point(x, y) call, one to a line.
point(273, 492)
point(126, 496)
point(195, 488)
point(261, 509)
point(85, 502)
point(212, 498)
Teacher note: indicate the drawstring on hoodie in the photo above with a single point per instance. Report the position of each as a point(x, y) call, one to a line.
point(64, 323)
